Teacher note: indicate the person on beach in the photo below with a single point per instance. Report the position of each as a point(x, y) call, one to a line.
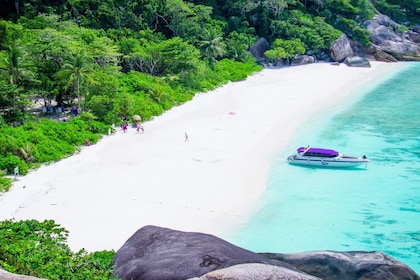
point(124, 127)
point(186, 137)
point(139, 127)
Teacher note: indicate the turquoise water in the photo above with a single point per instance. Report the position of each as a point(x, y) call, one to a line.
point(373, 208)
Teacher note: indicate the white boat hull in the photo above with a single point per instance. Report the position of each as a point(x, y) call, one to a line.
point(339, 161)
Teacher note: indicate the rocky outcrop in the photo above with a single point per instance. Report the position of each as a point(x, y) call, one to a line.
point(259, 48)
point(331, 265)
point(254, 271)
point(341, 49)
point(4, 275)
point(160, 253)
point(390, 43)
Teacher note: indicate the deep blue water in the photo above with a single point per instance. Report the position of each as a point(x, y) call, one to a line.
point(373, 208)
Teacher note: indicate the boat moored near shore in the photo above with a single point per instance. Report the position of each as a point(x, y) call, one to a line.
point(325, 158)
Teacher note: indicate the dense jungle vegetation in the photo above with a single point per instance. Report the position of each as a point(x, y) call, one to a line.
point(95, 62)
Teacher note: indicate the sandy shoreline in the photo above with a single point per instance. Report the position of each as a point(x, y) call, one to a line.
point(109, 190)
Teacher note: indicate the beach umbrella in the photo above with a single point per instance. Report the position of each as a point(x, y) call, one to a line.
point(136, 118)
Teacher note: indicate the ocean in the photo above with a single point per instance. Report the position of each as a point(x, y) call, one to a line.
point(373, 208)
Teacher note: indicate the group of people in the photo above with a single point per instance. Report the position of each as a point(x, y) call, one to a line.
point(138, 125)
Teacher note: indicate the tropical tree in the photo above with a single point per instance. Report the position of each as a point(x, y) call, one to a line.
point(285, 49)
point(75, 73)
point(276, 6)
point(17, 72)
point(124, 104)
point(212, 46)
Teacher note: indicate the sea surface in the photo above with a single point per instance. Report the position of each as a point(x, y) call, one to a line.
point(373, 208)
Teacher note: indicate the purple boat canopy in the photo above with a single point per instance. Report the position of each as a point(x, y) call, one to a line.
point(317, 152)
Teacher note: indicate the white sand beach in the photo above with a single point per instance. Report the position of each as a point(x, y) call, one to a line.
point(209, 184)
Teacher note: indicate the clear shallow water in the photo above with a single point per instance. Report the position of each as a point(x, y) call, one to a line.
point(373, 208)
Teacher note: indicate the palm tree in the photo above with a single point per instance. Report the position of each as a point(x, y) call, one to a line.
point(18, 72)
point(75, 72)
point(212, 45)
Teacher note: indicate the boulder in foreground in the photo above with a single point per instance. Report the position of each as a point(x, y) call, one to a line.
point(160, 253)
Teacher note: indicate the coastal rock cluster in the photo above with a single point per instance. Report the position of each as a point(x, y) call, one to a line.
point(391, 42)
point(161, 253)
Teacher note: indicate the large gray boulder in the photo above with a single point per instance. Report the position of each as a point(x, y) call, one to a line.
point(341, 49)
point(302, 60)
point(357, 61)
point(255, 271)
point(160, 253)
point(259, 48)
point(352, 265)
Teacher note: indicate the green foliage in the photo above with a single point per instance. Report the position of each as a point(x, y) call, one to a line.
point(5, 182)
point(351, 27)
point(75, 73)
point(212, 46)
point(285, 49)
point(400, 10)
point(40, 249)
point(234, 71)
point(314, 32)
point(33, 143)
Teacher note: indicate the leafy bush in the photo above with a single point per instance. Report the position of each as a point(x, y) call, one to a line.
point(40, 249)
point(42, 141)
point(314, 32)
point(5, 183)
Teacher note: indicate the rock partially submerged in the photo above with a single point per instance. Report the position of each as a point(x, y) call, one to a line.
point(160, 253)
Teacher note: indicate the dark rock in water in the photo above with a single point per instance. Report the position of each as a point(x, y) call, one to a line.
point(259, 48)
point(341, 49)
point(161, 253)
point(254, 271)
point(352, 265)
point(357, 61)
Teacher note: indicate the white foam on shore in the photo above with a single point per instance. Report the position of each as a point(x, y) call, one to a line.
point(103, 194)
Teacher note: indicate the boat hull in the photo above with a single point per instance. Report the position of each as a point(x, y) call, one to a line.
point(337, 162)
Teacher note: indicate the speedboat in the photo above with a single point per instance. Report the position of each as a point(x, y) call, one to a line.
point(325, 158)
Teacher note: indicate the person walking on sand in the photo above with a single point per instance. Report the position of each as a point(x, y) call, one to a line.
point(186, 137)
point(139, 127)
point(124, 127)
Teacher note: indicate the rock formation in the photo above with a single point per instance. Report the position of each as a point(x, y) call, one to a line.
point(160, 253)
point(4, 275)
point(341, 49)
point(391, 42)
point(259, 48)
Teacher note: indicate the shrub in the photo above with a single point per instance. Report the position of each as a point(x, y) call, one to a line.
point(40, 249)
